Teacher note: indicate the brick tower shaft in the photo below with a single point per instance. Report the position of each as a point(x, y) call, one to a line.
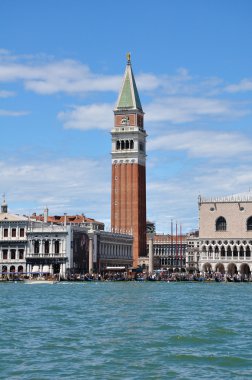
point(128, 196)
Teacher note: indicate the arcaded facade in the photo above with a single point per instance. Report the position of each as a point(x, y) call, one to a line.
point(225, 234)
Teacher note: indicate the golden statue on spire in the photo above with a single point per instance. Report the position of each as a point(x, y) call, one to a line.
point(128, 57)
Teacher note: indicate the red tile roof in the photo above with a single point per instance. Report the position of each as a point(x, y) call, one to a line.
point(159, 238)
point(69, 219)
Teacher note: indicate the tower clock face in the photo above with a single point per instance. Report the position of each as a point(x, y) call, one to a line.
point(124, 120)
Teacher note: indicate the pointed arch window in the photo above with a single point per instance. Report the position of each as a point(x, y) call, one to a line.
point(249, 224)
point(223, 253)
point(247, 251)
point(221, 224)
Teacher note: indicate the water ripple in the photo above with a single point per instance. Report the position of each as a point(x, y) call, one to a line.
point(128, 331)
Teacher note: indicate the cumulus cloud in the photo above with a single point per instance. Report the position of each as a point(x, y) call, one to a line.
point(45, 75)
point(94, 116)
point(83, 185)
point(13, 113)
point(180, 192)
point(66, 76)
point(6, 94)
point(175, 110)
point(177, 98)
point(203, 143)
point(60, 184)
point(188, 109)
point(243, 86)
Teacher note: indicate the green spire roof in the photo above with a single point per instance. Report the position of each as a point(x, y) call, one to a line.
point(128, 97)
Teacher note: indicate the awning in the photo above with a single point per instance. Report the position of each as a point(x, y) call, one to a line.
point(115, 268)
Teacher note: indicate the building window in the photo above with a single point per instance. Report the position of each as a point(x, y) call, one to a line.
point(56, 246)
point(13, 254)
point(13, 232)
point(20, 269)
point(223, 253)
point(221, 224)
point(36, 246)
point(5, 254)
point(21, 232)
point(249, 224)
point(247, 252)
point(6, 232)
point(47, 246)
point(21, 254)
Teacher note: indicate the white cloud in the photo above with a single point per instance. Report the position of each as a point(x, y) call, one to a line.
point(175, 110)
point(63, 185)
point(94, 116)
point(13, 113)
point(177, 98)
point(180, 192)
point(66, 76)
point(6, 94)
point(208, 144)
point(188, 109)
point(46, 75)
point(83, 185)
point(243, 86)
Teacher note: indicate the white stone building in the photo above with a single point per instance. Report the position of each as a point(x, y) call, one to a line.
point(59, 246)
point(48, 248)
point(225, 234)
point(113, 250)
point(192, 251)
point(13, 242)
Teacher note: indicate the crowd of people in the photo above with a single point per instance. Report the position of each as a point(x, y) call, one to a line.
point(159, 276)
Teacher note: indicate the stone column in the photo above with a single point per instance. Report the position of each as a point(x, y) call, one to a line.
point(64, 270)
point(150, 254)
point(90, 255)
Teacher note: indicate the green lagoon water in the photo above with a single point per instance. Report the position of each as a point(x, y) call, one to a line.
point(117, 330)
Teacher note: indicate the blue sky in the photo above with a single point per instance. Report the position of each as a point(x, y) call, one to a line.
point(61, 67)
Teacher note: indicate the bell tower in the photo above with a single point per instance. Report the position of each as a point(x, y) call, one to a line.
point(128, 196)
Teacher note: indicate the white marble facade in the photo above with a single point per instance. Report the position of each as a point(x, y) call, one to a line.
point(225, 234)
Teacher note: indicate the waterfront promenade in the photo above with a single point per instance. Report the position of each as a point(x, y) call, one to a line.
point(163, 276)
